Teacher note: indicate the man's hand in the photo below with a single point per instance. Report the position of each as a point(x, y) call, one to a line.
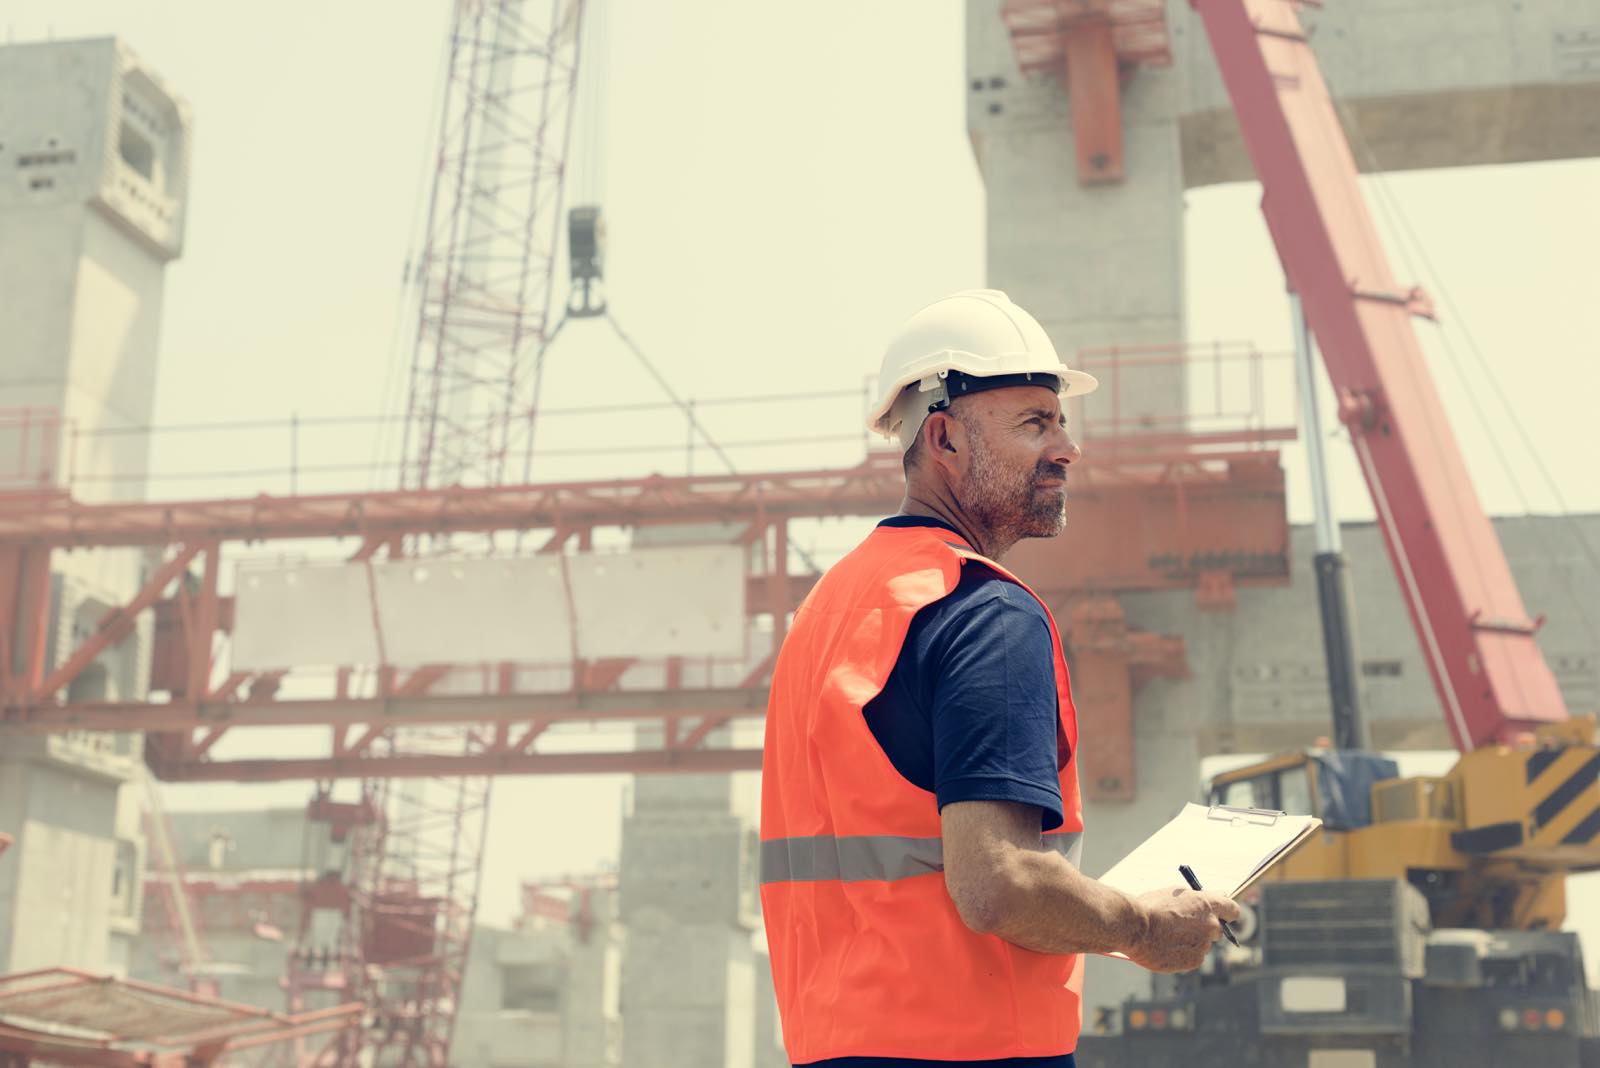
point(1181, 925)
point(1005, 883)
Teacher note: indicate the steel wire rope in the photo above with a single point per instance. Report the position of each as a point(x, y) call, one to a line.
point(593, 102)
point(346, 468)
point(533, 404)
point(672, 395)
point(394, 417)
point(1392, 209)
point(408, 279)
point(593, 46)
point(694, 423)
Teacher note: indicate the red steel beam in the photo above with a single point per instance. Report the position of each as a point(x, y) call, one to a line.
point(24, 617)
point(873, 488)
point(117, 624)
point(385, 712)
point(205, 623)
point(687, 761)
point(1093, 83)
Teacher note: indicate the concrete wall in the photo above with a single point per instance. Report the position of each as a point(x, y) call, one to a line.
point(769, 1051)
point(544, 995)
point(56, 880)
point(1435, 83)
point(249, 851)
point(517, 1023)
point(242, 840)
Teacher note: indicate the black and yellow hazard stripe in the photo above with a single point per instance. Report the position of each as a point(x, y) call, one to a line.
point(1587, 830)
point(1565, 782)
point(1539, 760)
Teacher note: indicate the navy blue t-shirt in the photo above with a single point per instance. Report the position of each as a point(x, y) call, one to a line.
point(969, 714)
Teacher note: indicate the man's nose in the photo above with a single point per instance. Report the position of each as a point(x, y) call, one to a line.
point(1066, 451)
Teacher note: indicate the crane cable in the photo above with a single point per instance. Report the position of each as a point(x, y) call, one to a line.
point(593, 104)
point(410, 275)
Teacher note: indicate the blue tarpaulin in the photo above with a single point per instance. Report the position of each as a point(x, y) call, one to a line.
point(1344, 779)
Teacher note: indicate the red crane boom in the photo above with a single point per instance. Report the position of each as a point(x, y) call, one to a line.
point(1476, 636)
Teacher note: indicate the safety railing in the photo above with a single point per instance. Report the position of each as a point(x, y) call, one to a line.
point(30, 448)
point(1197, 397)
point(1155, 402)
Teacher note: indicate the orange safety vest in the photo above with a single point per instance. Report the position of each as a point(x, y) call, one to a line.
point(869, 956)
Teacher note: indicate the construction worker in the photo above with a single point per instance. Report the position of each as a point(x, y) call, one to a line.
point(920, 817)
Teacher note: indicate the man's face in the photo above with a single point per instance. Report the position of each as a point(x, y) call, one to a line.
point(1018, 451)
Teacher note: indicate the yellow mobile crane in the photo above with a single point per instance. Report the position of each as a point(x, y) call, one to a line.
point(1489, 844)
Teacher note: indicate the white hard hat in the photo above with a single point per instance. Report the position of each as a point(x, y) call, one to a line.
point(975, 334)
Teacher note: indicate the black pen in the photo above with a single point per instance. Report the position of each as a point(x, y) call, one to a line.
point(1194, 884)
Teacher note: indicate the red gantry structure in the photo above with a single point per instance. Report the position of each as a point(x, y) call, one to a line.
point(1151, 511)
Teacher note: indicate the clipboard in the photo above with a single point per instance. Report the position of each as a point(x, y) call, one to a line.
point(1229, 848)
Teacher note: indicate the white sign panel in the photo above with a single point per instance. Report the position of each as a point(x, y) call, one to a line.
point(302, 615)
point(444, 611)
point(660, 602)
point(682, 601)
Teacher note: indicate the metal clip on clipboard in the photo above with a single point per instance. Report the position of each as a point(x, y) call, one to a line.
point(1237, 814)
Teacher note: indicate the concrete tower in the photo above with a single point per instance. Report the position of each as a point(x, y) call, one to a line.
point(688, 904)
point(94, 154)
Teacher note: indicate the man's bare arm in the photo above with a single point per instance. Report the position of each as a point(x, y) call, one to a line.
point(1004, 882)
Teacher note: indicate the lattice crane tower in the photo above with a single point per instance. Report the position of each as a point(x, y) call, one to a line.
point(486, 276)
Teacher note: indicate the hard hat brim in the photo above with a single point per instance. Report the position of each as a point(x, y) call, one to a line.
point(1077, 383)
point(1070, 384)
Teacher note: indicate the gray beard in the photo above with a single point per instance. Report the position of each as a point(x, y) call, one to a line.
point(1006, 502)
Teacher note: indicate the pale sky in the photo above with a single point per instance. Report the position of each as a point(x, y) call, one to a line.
point(783, 184)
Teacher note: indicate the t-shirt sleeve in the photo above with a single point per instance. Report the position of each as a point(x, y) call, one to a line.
point(994, 704)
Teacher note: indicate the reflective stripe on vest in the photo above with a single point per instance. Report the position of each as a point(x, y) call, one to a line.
point(880, 857)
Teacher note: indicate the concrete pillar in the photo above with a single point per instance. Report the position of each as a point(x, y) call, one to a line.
point(591, 1016)
point(56, 881)
point(689, 981)
point(1097, 265)
point(769, 1028)
point(95, 149)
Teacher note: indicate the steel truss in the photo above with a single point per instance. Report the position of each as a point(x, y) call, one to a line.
point(1205, 524)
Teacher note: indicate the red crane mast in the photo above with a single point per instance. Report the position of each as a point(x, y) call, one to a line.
point(484, 319)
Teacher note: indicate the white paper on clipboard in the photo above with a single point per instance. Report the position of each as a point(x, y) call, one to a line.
point(1228, 848)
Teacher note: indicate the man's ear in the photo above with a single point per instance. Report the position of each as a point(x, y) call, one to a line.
point(946, 438)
